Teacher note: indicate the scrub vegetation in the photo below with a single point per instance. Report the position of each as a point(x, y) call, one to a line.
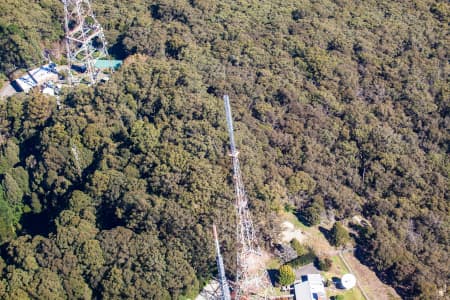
point(341, 108)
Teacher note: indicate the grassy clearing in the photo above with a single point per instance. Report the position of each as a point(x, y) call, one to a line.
point(353, 294)
point(319, 243)
point(315, 239)
point(339, 265)
point(273, 263)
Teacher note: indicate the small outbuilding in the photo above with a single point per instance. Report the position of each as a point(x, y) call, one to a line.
point(36, 77)
point(310, 288)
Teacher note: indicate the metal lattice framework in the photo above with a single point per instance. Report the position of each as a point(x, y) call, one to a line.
point(224, 287)
point(251, 278)
point(85, 41)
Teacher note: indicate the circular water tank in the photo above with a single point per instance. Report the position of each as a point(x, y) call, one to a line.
point(348, 281)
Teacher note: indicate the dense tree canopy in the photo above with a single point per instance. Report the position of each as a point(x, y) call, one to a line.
point(341, 108)
point(339, 235)
point(27, 30)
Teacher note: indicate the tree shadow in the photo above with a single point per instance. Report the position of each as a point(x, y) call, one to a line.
point(316, 264)
point(302, 219)
point(326, 233)
point(117, 50)
point(365, 258)
point(337, 282)
point(273, 275)
point(38, 223)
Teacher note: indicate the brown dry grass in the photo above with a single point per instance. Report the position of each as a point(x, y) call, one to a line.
point(369, 281)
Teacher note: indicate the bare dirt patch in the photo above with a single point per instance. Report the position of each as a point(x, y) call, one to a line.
point(256, 263)
point(210, 291)
point(290, 232)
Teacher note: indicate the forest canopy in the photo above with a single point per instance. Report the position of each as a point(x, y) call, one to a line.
point(341, 109)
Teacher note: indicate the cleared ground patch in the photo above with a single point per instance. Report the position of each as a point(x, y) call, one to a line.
point(367, 279)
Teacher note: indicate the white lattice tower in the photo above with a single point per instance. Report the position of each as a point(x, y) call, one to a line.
point(251, 277)
point(85, 41)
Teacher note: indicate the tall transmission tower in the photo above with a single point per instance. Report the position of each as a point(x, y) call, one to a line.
point(249, 280)
point(85, 41)
point(224, 287)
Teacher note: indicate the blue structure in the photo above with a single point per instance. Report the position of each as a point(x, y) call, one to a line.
point(108, 64)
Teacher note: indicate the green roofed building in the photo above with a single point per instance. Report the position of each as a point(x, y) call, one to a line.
point(108, 64)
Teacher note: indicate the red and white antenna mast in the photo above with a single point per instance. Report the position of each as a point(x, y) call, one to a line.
point(85, 41)
point(251, 277)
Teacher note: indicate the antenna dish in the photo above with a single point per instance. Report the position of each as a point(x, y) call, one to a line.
point(348, 281)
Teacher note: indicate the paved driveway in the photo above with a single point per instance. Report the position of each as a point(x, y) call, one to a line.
point(305, 270)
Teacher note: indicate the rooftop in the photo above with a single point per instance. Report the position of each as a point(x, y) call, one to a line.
point(108, 64)
point(310, 288)
point(36, 77)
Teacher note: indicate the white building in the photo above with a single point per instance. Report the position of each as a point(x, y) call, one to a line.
point(36, 77)
point(310, 288)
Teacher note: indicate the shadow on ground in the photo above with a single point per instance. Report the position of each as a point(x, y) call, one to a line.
point(273, 275)
point(326, 233)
